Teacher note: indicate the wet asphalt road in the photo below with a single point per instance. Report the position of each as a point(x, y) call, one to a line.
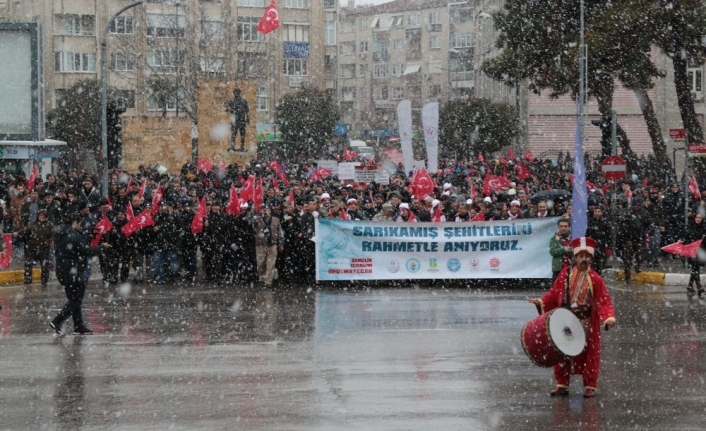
point(198, 358)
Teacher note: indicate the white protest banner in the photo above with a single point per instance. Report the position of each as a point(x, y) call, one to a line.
point(430, 120)
point(346, 171)
point(330, 165)
point(404, 123)
point(367, 250)
point(369, 174)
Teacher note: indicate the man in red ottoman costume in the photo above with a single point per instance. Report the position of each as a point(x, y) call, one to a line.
point(581, 290)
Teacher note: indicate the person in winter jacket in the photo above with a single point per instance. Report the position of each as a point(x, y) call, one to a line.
point(72, 253)
point(39, 236)
point(599, 229)
point(694, 232)
point(632, 230)
point(560, 247)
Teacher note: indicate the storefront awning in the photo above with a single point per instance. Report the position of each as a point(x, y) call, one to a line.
point(412, 68)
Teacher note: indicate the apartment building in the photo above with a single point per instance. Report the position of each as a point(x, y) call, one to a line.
point(421, 50)
point(159, 51)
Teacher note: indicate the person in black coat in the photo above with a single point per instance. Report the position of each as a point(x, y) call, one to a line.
point(72, 253)
point(633, 227)
point(598, 228)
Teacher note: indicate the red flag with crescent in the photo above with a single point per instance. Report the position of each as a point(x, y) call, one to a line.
point(102, 227)
point(157, 197)
point(233, 206)
point(33, 177)
point(143, 186)
point(197, 223)
point(129, 213)
point(494, 182)
point(522, 172)
point(422, 184)
point(143, 220)
point(257, 197)
point(247, 192)
point(270, 20)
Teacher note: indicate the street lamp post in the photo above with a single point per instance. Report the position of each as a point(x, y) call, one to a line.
point(104, 95)
point(448, 31)
point(176, 56)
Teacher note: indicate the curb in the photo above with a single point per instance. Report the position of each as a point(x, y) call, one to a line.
point(18, 276)
point(656, 278)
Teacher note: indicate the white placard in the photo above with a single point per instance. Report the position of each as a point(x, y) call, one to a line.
point(330, 165)
point(346, 171)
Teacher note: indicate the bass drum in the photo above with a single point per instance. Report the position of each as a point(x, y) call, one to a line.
point(552, 337)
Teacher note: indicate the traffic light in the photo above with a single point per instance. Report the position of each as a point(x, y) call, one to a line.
point(606, 125)
point(115, 142)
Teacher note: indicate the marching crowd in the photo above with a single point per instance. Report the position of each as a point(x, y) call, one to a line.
point(253, 240)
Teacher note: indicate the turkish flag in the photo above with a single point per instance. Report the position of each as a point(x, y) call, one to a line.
point(129, 185)
point(275, 184)
point(257, 198)
point(522, 172)
point(143, 186)
point(422, 184)
point(494, 182)
point(129, 213)
point(474, 194)
point(33, 177)
point(233, 206)
point(688, 250)
point(101, 229)
point(143, 220)
point(205, 165)
point(529, 156)
point(291, 197)
point(479, 217)
point(270, 19)
point(247, 192)
point(157, 197)
point(197, 224)
point(694, 188)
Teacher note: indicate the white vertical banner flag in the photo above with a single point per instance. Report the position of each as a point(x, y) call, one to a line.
point(430, 121)
point(404, 123)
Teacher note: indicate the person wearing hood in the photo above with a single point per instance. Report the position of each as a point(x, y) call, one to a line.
point(72, 253)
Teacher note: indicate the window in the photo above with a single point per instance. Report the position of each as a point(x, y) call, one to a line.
point(695, 75)
point(347, 94)
point(122, 25)
point(330, 33)
point(363, 69)
point(211, 30)
point(81, 25)
point(381, 70)
point(165, 25)
point(262, 98)
point(251, 3)
point(74, 62)
point(295, 67)
point(398, 45)
point(161, 101)
point(297, 4)
point(347, 71)
point(123, 62)
point(397, 69)
point(380, 45)
point(252, 64)
point(435, 42)
point(330, 4)
point(124, 98)
point(381, 92)
point(296, 33)
point(397, 93)
point(462, 40)
point(212, 64)
point(166, 60)
point(434, 17)
point(397, 21)
point(247, 29)
point(363, 46)
point(413, 20)
point(363, 23)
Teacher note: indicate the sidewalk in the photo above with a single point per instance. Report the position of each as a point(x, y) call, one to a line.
point(669, 272)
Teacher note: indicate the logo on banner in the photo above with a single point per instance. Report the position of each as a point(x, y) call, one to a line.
point(495, 264)
point(413, 265)
point(433, 265)
point(430, 132)
point(454, 265)
point(475, 264)
point(393, 266)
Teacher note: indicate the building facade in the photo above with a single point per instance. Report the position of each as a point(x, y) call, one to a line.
point(160, 51)
point(421, 50)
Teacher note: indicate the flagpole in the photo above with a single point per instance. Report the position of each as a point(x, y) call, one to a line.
point(582, 77)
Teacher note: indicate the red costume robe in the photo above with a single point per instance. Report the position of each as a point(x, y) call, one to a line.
point(596, 295)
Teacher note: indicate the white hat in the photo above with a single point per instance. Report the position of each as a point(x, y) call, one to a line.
point(487, 199)
point(351, 200)
point(404, 206)
point(515, 204)
point(447, 186)
point(446, 194)
point(244, 205)
point(258, 165)
point(435, 203)
point(512, 192)
point(325, 196)
point(469, 201)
